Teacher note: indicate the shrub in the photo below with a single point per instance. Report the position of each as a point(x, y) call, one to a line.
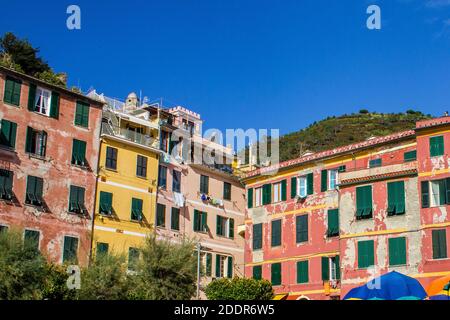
point(239, 289)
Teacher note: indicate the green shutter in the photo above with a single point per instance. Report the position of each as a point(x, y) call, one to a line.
point(337, 267)
point(204, 226)
point(250, 198)
point(325, 268)
point(276, 233)
point(301, 226)
point(364, 202)
point(160, 215)
point(218, 258)
point(231, 228)
point(29, 140)
point(342, 168)
point(396, 198)
point(105, 206)
point(324, 181)
point(208, 264)
point(230, 267)
point(82, 114)
point(365, 254)
point(79, 152)
point(333, 223)
point(9, 87)
point(293, 187)
point(257, 236)
point(310, 183)
point(16, 92)
point(31, 97)
point(31, 238)
point(276, 274)
point(302, 272)
point(70, 249)
point(436, 146)
point(175, 219)
point(439, 239)
point(54, 105)
point(257, 272)
point(397, 251)
point(410, 156)
point(425, 190)
point(8, 133)
point(219, 230)
point(283, 190)
point(267, 194)
point(196, 221)
point(136, 209)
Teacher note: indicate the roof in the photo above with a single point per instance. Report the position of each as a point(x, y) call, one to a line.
point(332, 153)
point(52, 86)
point(435, 122)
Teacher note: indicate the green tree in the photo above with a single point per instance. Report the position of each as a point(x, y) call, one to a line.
point(239, 289)
point(166, 271)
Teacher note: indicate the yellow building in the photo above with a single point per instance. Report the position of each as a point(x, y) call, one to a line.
point(127, 178)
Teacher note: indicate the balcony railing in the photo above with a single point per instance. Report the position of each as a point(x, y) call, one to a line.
point(130, 135)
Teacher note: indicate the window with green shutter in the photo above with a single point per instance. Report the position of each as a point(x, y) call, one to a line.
point(301, 228)
point(218, 266)
point(36, 142)
point(200, 221)
point(325, 268)
point(324, 181)
point(220, 225)
point(342, 168)
point(302, 272)
point(366, 256)
point(54, 105)
point(82, 114)
point(136, 209)
point(375, 163)
point(133, 258)
point(397, 251)
point(31, 238)
point(70, 249)
point(437, 146)
point(34, 191)
point(425, 194)
point(410, 156)
point(204, 184)
point(364, 202)
point(102, 249)
point(12, 91)
point(141, 166)
point(231, 228)
point(160, 215)
point(283, 190)
point(257, 272)
point(333, 223)
point(111, 158)
point(310, 183)
point(105, 206)
point(257, 236)
point(175, 219)
point(226, 191)
point(230, 267)
point(76, 200)
point(208, 264)
point(439, 238)
point(293, 187)
point(267, 194)
point(79, 153)
point(396, 198)
point(276, 274)
point(337, 268)
point(8, 132)
point(276, 233)
point(6, 184)
point(250, 198)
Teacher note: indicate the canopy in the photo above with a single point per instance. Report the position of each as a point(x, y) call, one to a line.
point(439, 289)
point(390, 286)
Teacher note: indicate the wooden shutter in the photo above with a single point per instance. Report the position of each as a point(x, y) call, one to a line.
point(302, 228)
point(54, 105)
point(310, 183)
point(324, 181)
point(276, 233)
point(218, 260)
point(325, 268)
point(208, 264)
point(9, 87)
point(302, 272)
point(16, 92)
point(397, 251)
point(204, 221)
point(231, 228)
point(337, 267)
point(257, 236)
point(425, 190)
point(436, 146)
point(250, 198)
point(29, 140)
point(257, 272)
point(293, 187)
point(276, 274)
point(196, 220)
point(283, 190)
point(267, 194)
point(333, 222)
point(219, 230)
point(230, 267)
point(31, 97)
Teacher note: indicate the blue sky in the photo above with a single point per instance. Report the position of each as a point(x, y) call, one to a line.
point(250, 64)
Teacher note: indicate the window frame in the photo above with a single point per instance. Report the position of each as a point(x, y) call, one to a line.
point(335, 180)
point(38, 109)
point(160, 215)
point(176, 182)
point(111, 158)
point(227, 191)
point(141, 166)
point(160, 170)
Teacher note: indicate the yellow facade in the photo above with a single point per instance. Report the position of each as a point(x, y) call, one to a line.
point(118, 230)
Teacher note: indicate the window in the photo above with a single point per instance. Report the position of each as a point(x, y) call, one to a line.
point(3, 229)
point(200, 221)
point(225, 227)
point(105, 206)
point(365, 254)
point(34, 191)
point(176, 181)
point(208, 264)
point(438, 193)
point(410, 156)
point(175, 219)
point(332, 179)
point(396, 198)
point(6, 184)
point(79, 153)
point(162, 177)
point(111, 158)
point(266, 194)
point(439, 238)
point(276, 233)
point(437, 146)
point(276, 274)
point(375, 163)
point(230, 267)
point(42, 101)
point(220, 265)
point(133, 258)
point(204, 184)
point(303, 184)
point(302, 192)
point(70, 249)
point(301, 228)
point(257, 236)
point(82, 114)
point(141, 166)
point(258, 197)
point(31, 238)
point(364, 202)
point(102, 249)
point(226, 191)
point(302, 272)
point(160, 215)
point(8, 134)
point(257, 272)
point(12, 91)
point(76, 200)
point(136, 209)
point(397, 251)
point(333, 223)
point(250, 198)
point(36, 142)
point(331, 268)
point(279, 192)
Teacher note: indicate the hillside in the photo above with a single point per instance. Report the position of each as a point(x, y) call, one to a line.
point(346, 129)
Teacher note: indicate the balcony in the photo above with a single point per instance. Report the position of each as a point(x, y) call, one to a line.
point(387, 170)
point(130, 136)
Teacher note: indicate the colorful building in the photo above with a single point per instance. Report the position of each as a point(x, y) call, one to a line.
point(48, 159)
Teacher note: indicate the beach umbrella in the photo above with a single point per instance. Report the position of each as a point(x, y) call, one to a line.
point(390, 286)
point(439, 289)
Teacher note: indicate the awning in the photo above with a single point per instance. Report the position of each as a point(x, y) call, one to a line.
point(280, 297)
point(293, 297)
